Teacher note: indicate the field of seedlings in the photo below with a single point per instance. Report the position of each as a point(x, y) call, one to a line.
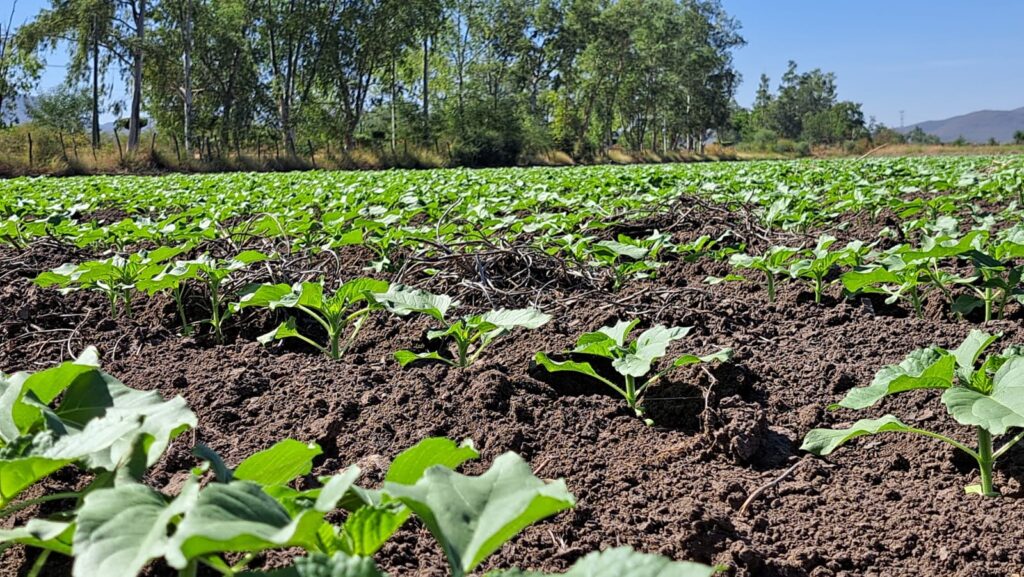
point(810, 368)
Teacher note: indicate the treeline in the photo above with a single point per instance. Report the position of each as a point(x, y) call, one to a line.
point(484, 82)
point(805, 110)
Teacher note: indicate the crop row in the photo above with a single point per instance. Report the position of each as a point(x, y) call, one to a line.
point(223, 517)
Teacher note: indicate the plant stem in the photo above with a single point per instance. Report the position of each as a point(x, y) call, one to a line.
point(355, 333)
point(215, 314)
point(37, 567)
point(179, 297)
point(988, 304)
point(190, 570)
point(771, 286)
point(11, 509)
point(1002, 450)
point(985, 462)
point(915, 299)
point(631, 394)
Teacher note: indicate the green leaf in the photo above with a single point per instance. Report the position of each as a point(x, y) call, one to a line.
point(650, 345)
point(622, 562)
point(265, 295)
point(120, 530)
point(402, 300)
point(283, 331)
point(823, 441)
point(42, 534)
point(409, 466)
point(857, 280)
point(367, 529)
point(971, 349)
point(572, 367)
point(928, 368)
point(406, 357)
point(620, 249)
point(619, 332)
point(239, 516)
point(320, 565)
point(722, 356)
point(471, 517)
point(997, 412)
point(280, 464)
point(517, 318)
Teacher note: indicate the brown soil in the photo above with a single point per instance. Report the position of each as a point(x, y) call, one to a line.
point(891, 505)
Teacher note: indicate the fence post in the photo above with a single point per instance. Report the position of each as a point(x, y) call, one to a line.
point(30, 159)
point(117, 138)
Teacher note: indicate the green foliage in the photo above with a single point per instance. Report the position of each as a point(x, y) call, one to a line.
point(351, 304)
point(76, 414)
point(631, 360)
point(61, 109)
point(473, 334)
point(984, 394)
point(212, 273)
point(119, 525)
point(115, 277)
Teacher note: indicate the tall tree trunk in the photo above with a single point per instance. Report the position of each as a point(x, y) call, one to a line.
point(426, 88)
point(394, 97)
point(187, 72)
point(95, 84)
point(135, 120)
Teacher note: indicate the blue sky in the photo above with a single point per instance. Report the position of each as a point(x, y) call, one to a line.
point(930, 58)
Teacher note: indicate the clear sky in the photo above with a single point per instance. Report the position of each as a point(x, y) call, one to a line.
point(930, 58)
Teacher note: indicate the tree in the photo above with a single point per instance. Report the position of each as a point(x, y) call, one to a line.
point(19, 69)
point(1018, 137)
point(117, 27)
point(63, 109)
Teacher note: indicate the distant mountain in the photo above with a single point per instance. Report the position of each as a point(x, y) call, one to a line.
point(977, 126)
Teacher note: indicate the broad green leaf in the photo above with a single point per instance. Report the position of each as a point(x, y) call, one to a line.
point(598, 344)
point(650, 345)
point(509, 319)
point(722, 356)
point(121, 529)
point(406, 357)
point(471, 517)
point(409, 466)
point(266, 295)
point(20, 473)
point(402, 300)
point(823, 441)
point(858, 280)
point(283, 331)
point(572, 367)
point(971, 349)
point(47, 385)
point(620, 331)
point(238, 516)
point(621, 249)
point(42, 534)
point(358, 289)
point(923, 369)
point(280, 464)
point(622, 562)
point(367, 529)
point(997, 412)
